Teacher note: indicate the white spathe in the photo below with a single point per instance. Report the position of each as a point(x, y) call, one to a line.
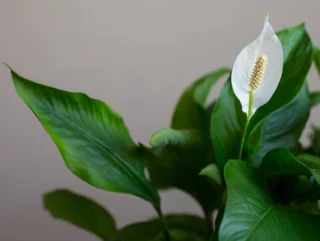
point(268, 44)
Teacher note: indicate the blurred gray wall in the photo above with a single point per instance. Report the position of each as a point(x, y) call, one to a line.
point(135, 55)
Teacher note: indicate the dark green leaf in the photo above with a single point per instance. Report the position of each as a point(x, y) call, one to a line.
point(144, 231)
point(188, 222)
point(227, 126)
point(310, 207)
point(218, 221)
point(312, 163)
point(297, 54)
point(178, 235)
point(314, 98)
point(91, 137)
point(283, 128)
point(177, 157)
point(80, 211)
point(190, 110)
point(282, 162)
point(316, 58)
point(314, 149)
point(250, 213)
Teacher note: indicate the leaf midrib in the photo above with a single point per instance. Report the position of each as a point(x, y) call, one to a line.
point(121, 164)
point(262, 218)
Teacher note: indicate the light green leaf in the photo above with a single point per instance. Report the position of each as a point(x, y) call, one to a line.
point(213, 173)
point(80, 211)
point(177, 157)
point(251, 215)
point(283, 128)
point(190, 110)
point(92, 138)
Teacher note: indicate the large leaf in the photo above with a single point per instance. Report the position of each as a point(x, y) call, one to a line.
point(190, 110)
point(177, 157)
point(80, 211)
point(251, 214)
point(228, 121)
point(227, 126)
point(283, 128)
point(91, 137)
point(144, 231)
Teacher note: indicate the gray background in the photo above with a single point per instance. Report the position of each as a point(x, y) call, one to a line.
point(135, 55)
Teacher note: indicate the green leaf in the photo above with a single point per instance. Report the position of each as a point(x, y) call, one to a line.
point(91, 137)
point(314, 149)
point(282, 162)
point(80, 211)
point(211, 171)
point(312, 163)
point(178, 235)
point(227, 126)
point(228, 121)
point(316, 58)
point(188, 222)
point(283, 128)
point(190, 110)
point(144, 231)
point(215, 235)
point(177, 157)
point(250, 213)
point(297, 54)
point(310, 207)
point(314, 98)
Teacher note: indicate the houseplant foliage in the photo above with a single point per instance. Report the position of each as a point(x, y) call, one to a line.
point(245, 167)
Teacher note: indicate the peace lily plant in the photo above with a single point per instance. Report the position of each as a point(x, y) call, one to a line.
point(238, 156)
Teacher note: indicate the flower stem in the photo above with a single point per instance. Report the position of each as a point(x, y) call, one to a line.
point(247, 124)
point(164, 222)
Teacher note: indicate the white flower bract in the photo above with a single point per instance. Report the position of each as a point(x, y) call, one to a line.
point(267, 44)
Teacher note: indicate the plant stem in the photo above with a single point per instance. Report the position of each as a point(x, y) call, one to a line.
point(247, 124)
point(164, 222)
